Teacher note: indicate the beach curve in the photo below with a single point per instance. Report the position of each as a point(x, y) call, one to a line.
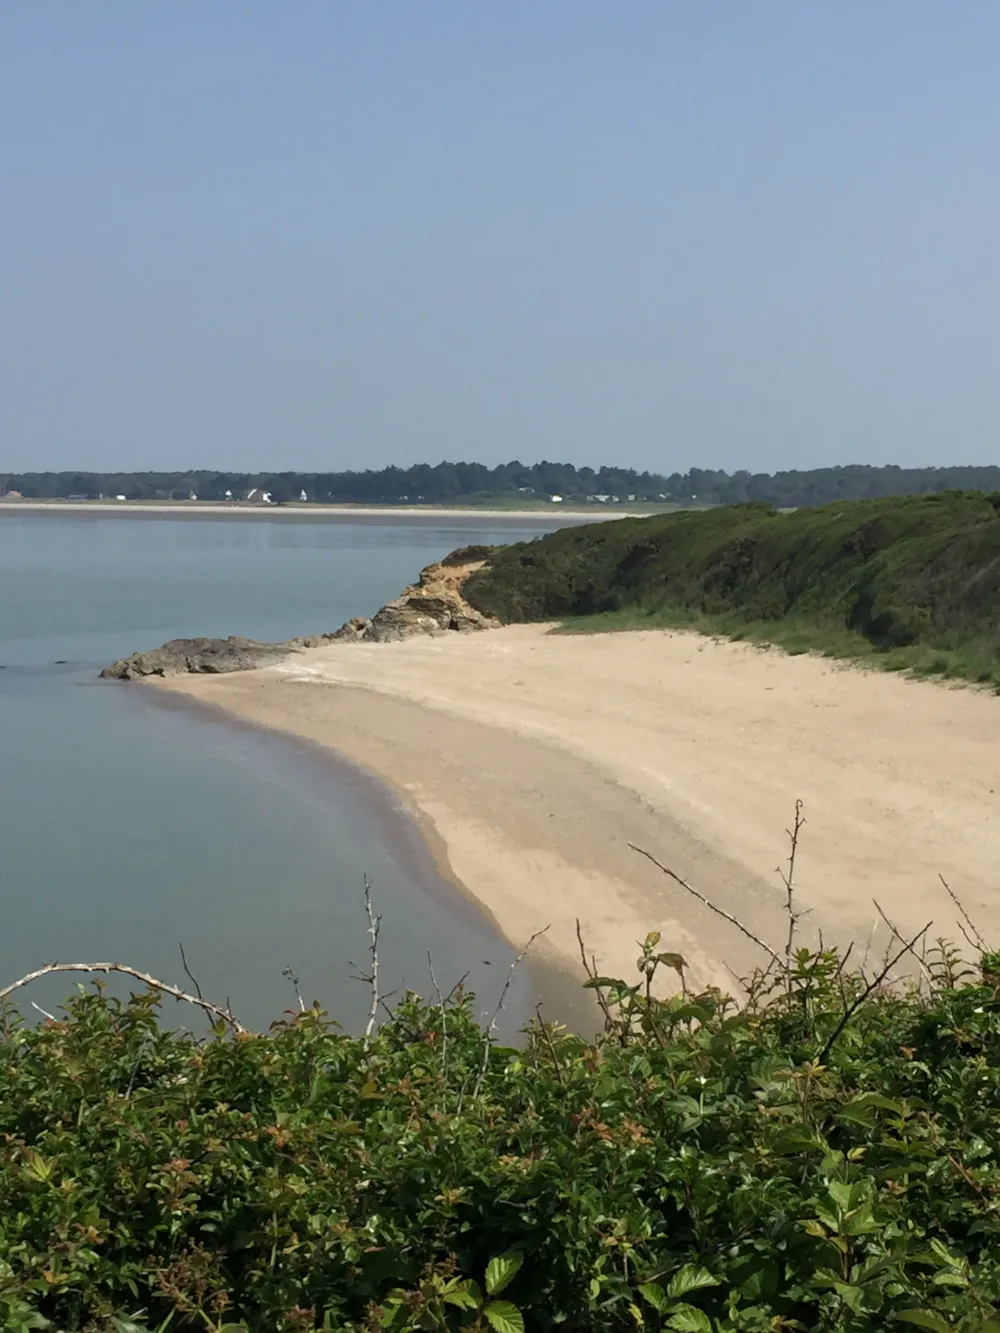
point(535, 759)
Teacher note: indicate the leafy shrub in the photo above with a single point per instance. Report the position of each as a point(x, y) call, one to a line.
point(909, 571)
point(817, 1159)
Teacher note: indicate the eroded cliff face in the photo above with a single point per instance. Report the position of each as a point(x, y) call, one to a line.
point(432, 605)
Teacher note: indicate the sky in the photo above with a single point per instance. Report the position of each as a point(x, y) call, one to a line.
point(243, 234)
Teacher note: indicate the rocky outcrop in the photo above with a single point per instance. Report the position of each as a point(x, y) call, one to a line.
point(195, 656)
point(432, 605)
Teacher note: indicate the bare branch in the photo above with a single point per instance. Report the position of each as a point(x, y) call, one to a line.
point(290, 976)
point(872, 986)
point(868, 946)
point(215, 1010)
point(374, 924)
point(591, 970)
point(444, 1017)
point(457, 986)
point(926, 970)
point(488, 1036)
point(701, 898)
point(788, 879)
point(190, 975)
point(980, 942)
point(550, 1043)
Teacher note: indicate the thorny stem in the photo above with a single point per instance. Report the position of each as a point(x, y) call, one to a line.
point(788, 879)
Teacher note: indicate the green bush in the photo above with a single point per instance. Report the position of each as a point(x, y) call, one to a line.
point(817, 1159)
point(914, 573)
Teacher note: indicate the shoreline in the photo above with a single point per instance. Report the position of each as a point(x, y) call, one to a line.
point(409, 835)
point(537, 759)
point(315, 513)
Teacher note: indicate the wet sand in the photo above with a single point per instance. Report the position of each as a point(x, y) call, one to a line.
point(532, 760)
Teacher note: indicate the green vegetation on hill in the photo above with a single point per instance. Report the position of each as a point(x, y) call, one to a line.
point(909, 582)
point(825, 1159)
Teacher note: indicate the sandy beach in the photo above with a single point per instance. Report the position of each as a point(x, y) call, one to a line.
point(533, 759)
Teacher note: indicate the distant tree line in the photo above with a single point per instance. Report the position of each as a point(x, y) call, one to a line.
point(450, 482)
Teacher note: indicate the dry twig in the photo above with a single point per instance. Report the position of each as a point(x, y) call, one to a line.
point(591, 970)
point(708, 903)
point(980, 942)
point(926, 970)
point(444, 1017)
point(488, 1035)
point(872, 986)
point(291, 977)
point(371, 978)
point(190, 975)
point(215, 1010)
point(550, 1043)
point(788, 879)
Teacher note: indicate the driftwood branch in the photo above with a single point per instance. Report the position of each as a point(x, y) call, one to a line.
point(708, 903)
point(214, 1010)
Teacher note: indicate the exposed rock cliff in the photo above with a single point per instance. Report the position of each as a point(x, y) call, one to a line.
point(432, 605)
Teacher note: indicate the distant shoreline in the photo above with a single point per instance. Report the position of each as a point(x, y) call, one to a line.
point(323, 513)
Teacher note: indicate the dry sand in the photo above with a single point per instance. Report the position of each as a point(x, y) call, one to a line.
point(533, 759)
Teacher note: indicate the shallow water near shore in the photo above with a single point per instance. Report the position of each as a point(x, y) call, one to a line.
point(128, 826)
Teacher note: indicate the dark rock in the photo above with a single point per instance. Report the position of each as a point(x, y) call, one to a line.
point(195, 656)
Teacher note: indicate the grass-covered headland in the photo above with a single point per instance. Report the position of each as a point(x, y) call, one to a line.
point(825, 1157)
point(909, 582)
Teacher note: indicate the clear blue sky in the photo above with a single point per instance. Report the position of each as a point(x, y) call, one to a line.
point(242, 233)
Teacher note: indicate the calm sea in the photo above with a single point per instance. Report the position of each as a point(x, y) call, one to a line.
point(128, 827)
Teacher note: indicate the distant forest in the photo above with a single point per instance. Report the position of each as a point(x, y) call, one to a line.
point(473, 482)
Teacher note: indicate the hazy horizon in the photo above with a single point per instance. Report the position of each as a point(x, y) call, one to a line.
point(659, 236)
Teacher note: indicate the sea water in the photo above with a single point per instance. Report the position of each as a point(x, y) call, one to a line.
point(129, 827)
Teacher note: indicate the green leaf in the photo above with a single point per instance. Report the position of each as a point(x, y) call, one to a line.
point(924, 1319)
point(462, 1293)
point(945, 1255)
point(597, 983)
point(850, 1295)
point(841, 1194)
point(674, 960)
point(689, 1319)
point(692, 1277)
point(504, 1317)
point(654, 1294)
point(502, 1270)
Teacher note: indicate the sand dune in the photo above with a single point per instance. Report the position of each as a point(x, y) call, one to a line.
point(533, 759)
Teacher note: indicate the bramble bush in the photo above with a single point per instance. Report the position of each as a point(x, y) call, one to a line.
point(701, 1166)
